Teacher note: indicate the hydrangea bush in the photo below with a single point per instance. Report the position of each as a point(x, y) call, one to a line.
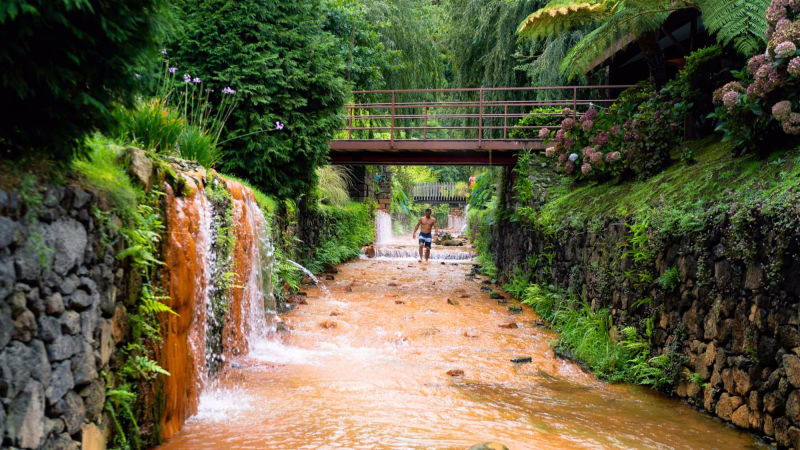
point(632, 138)
point(763, 104)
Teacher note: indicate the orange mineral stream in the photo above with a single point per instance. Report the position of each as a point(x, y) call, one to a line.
point(366, 367)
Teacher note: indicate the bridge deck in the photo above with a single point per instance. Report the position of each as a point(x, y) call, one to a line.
point(429, 151)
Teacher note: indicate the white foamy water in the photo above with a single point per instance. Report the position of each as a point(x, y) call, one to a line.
point(222, 405)
point(383, 254)
point(273, 351)
point(383, 228)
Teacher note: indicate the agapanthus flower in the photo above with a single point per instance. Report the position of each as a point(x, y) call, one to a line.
point(587, 125)
point(792, 124)
point(173, 69)
point(279, 125)
point(785, 49)
point(781, 110)
point(794, 67)
point(562, 158)
point(730, 99)
point(187, 78)
point(550, 152)
point(543, 133)
point(566, 111)
point(569, 167)
point(568, 123)
point(586, 168)
point(573, 157)
point(228, 90)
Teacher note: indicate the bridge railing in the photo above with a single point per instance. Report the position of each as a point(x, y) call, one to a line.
point(474, 113)
point(440, 192)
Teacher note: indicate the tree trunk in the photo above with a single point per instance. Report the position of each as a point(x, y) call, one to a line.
point(656, 63)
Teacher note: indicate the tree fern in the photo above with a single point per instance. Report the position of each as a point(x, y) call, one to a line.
point(742, 23)
point(560, 16)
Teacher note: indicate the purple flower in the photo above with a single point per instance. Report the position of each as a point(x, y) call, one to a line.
point(163, 51)
point(590, 114)
point(785, 49)
point(187, 78)
point(195, 80)
point(568, 123)
point(781, 110)
point(228, 90)
point(586, 168)
point(543, 133)
point(279, 125)
point(173, 69)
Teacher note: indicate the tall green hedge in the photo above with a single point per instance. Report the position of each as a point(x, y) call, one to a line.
point(284, 68)
point(63, 63)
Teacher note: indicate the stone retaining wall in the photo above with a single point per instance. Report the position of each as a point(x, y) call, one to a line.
point(59, 319)
point(733, 322)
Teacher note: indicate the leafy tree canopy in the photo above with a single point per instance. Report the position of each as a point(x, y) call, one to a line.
point(289, 77)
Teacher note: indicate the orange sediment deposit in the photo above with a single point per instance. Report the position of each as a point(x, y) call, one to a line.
point(328, 324)
point(182, 352)
point(509, 325)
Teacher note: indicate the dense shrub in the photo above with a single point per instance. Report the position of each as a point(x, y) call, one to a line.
point(64, 63)
point(288, 76)
point(758, 110)
point(538, 117)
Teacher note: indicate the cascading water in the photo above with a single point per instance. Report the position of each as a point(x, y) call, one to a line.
point(309, 274)
point(383, 228)
point(211, 325)
point(455, 222)
point(413, 254)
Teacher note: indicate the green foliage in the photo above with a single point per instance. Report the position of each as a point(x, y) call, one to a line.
point(741, 23)
point(152, 125)
point(343, 232)
point(585, 335)
point(287, 74)
point(538, 117)
point(670, 281)
point(333, 182)
point(65, 63)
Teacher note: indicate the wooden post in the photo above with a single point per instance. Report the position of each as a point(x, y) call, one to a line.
point(391, 130)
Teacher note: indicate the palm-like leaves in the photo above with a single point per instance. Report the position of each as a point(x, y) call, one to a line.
point(741, 23)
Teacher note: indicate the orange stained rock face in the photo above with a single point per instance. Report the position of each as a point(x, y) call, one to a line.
point(427, 375)
point(182, 351)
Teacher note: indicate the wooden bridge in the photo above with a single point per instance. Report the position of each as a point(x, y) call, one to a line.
point(477, 126)
point(435, 193)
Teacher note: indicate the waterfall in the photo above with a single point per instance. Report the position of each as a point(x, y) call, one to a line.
point(383, 228)
point(207, 332)
point(455, 222)
point(314, 279)
point(465, 226)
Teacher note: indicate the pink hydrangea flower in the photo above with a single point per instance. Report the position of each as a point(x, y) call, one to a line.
point(781, 110)
point(550, 152)
point(568, 123)
point(569, 167)
point(586, 168)
point(566, 111)
point(615, 129)
point(792, 124)
point(730, 99)
point(562, 158)
point(596, 157)
point(785, 49)
point(587, 125)
point(560, 134)
point(794, 67)
point(543, 133)
point(590, 114)
point(587, 151)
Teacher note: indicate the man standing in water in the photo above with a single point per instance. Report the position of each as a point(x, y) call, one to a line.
point(425, 226)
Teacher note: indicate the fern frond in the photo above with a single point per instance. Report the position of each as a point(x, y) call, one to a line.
point(147, 366)
point(561, 16)
point(622, 28)
point(742, 23)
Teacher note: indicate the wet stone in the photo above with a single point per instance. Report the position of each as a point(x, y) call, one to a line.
point(60, 383)
point(83, 365)
point(79, 300)
point(71, 322)
point(63, 348)
point(25, 422)
point(455, 373)
point(25, 327)
point(521, 359)
point(49, 328)
point(54, 304)
point(72, 410)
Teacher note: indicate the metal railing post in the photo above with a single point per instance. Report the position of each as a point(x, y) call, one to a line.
point(480, 119)
point(391, 131)
point(505, 121)
point(425, 128)
point(350, 122)
point(575, 102)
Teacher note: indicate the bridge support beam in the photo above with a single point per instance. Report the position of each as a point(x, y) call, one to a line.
point(384, 194)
